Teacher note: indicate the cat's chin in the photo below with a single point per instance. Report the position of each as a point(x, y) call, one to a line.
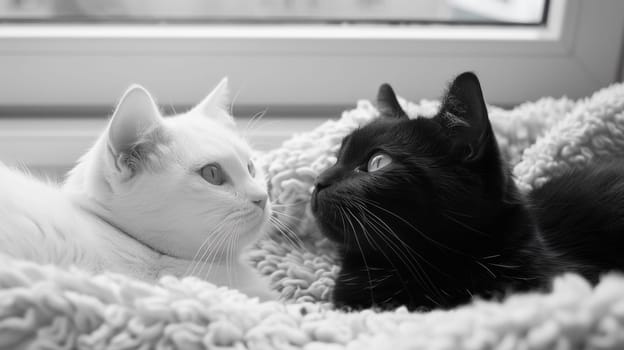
point(332, 231)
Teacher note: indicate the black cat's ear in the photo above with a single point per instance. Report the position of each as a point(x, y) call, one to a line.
point(388, 104)
point(464, 116)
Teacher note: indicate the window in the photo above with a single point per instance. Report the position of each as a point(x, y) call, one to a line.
point(57, 63)
point(518, 12)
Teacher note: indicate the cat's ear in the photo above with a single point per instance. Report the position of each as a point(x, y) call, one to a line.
point(464, 116)
point(387, 103)
point(136, 117)
point(215, 105)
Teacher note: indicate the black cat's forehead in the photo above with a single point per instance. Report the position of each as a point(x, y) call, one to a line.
point(377, 132)
point(420, 136)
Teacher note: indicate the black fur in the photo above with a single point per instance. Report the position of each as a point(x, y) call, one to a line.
point(444, 221)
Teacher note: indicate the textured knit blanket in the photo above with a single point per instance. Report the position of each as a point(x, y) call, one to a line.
point(44, 307)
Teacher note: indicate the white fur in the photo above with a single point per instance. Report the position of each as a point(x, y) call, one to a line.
point(136, 203)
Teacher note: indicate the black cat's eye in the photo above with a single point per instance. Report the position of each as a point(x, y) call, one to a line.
point(213, 174)
point(251, 168)
point(378, 161)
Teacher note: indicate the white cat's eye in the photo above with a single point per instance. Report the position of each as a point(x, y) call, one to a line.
point(213, 174)
point(378, 161)
point(251, 168)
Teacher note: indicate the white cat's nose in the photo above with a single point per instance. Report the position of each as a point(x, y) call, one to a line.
point(260, 201)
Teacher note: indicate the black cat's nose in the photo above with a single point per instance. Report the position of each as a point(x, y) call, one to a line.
point(320, 185)
point(325, 179)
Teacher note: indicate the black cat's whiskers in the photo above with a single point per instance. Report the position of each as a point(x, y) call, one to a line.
point(505, 266)
point(464, 225)
point(344, 229)
point(422, 234)
point(408, 258)
point(489, 271)
point(432, 287)
point(380, 234)
point(494, 256)
point(371, 241)
point(486, 268)
point(454, 212)
point(370, 282)
point(364, 231)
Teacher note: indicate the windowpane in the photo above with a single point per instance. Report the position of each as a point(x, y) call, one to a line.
point(523, 12)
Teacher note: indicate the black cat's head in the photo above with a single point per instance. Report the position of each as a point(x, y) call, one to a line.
point(430, 184)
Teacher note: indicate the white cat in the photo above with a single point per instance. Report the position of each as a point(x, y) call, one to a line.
point(155, 195)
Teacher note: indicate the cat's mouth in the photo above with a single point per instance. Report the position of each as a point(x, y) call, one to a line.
point(327, 218)
point(314, 202)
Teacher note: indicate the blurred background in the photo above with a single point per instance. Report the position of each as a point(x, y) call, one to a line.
point(65, 63)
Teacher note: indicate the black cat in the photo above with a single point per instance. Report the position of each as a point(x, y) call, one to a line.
point(426, 213)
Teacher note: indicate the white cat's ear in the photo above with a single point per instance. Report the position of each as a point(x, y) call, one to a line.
point(215, 105)
point(135, 117)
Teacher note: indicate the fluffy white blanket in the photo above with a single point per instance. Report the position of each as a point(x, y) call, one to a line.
point(43, 307)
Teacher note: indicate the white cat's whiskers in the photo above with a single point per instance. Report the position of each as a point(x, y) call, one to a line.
point(229, 255)
point(190, 270)
point(288, 216)
point(224, 243)
point(257, 126)
point(208, 250)
point(288, 205)
point(234, 98)
point(253, 121)
point(212, 251)
point(214, 254)
point(234, 245)
point(207, 240)
point(286, 232)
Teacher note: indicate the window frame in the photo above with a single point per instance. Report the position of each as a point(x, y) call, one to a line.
point(56, 65)
point(294, 71)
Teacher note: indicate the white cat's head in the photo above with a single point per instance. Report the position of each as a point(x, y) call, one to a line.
point(177, 183)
